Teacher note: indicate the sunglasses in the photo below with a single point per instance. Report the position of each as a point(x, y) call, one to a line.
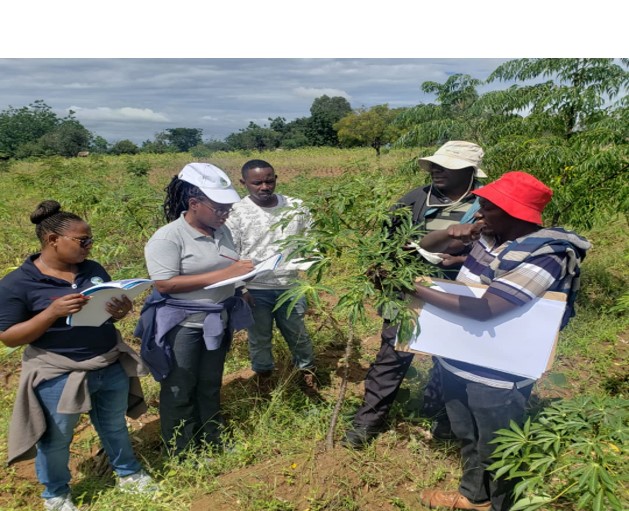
point(83, 242)
point(221, 212)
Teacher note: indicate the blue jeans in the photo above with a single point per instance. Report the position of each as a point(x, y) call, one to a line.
point(108, 388)
point(292, 328)
point(476, 412)
point(190, 397)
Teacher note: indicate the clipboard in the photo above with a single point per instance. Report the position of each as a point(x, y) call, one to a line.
point(522, 341)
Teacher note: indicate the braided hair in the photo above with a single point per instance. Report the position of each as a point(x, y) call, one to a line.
point(178, 195)
point(48, 218)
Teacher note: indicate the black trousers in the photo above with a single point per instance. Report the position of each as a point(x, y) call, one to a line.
point(476, 412)
point(383, 381)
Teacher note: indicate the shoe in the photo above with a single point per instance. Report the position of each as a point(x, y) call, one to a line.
point(360, 436)
point(61, 503)
point(309, 381)
point(442, 431)
point(140, 482)
point(451, 500)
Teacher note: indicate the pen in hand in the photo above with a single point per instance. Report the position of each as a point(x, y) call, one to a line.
point(230, 258)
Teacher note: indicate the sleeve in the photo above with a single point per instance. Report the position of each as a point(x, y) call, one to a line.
point(163, 259)
point(13, 309)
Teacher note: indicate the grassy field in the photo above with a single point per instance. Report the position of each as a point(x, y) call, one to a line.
point(279, 462)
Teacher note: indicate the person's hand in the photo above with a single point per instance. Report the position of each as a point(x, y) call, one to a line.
point(119, 307)
point(241, 267)
point(451, 260)
point(67, 305)
point(466, 233)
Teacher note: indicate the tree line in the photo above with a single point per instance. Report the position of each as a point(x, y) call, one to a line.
point(36, 131)
point(564, 120)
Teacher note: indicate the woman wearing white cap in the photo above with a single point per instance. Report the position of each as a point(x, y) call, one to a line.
point(186, 329)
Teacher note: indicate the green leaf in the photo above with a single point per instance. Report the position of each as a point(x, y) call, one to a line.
point(531, 503)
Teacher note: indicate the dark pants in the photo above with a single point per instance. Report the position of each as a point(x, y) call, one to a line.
point(476, 411)
point(384, 379)
point(190, 397)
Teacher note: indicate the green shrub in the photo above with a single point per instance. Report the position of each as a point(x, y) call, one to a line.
point(573, 453)
point(138, 167)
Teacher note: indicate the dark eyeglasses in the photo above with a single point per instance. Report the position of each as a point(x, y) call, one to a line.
point(222, 212)
point(83, 242)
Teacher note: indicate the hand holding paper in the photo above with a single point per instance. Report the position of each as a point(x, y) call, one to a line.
point(267, 265)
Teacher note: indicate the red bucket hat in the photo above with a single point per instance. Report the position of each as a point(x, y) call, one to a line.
point(519, 194)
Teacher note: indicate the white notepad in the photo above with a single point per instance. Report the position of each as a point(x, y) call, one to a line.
point(94, 312)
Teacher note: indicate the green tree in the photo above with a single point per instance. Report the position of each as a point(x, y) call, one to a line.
point(450, 118)
point(570, 131)
point(124, 147)
point(67, 139)
point(294, 134)
point(579, 91)
point(324, 113)
point(278, 124)
point(26, 125)
point(183, 138)
point(159, 145)
point(99, 145)
point(368, 127)
point(254, 137)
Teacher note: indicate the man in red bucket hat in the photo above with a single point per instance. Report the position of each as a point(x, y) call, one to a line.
point(518, 260)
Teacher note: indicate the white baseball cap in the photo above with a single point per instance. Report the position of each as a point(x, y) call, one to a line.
point(211, 180)
point(455, 155)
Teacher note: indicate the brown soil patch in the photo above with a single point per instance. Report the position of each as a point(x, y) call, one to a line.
point(338, 479)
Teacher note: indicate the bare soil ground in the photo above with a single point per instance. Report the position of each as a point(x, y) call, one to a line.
point(381, 479)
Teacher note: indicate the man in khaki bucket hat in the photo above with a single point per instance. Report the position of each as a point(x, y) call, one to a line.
point(456, 155)
point(447, 200)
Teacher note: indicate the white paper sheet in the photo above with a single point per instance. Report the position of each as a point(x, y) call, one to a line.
point(519, 342)
point(267, 265)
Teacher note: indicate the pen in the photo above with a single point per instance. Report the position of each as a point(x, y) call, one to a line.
point(227, 257)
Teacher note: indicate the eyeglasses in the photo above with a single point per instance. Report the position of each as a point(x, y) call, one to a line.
point(83, 242)
point(222, 212)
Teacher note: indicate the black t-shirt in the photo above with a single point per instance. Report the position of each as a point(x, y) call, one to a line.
point(25, 292)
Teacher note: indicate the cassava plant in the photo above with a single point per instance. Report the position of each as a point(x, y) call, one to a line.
point(573, 454)
point(360, 241)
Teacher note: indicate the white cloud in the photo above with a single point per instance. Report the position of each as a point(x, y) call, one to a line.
point(78, 85)
point(104, 113)
point(312, 92)
point(209, 118)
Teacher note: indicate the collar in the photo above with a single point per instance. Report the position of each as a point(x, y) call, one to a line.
point(33, 272)
point(281, 202)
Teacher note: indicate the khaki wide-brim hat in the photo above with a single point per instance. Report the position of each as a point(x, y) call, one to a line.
point(456, 155)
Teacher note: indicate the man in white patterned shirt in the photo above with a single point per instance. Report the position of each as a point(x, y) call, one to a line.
point(253, 224)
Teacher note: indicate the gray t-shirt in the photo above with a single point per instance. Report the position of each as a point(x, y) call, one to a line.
point(179, 249)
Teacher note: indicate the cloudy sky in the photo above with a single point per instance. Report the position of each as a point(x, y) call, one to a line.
point(136, 98)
